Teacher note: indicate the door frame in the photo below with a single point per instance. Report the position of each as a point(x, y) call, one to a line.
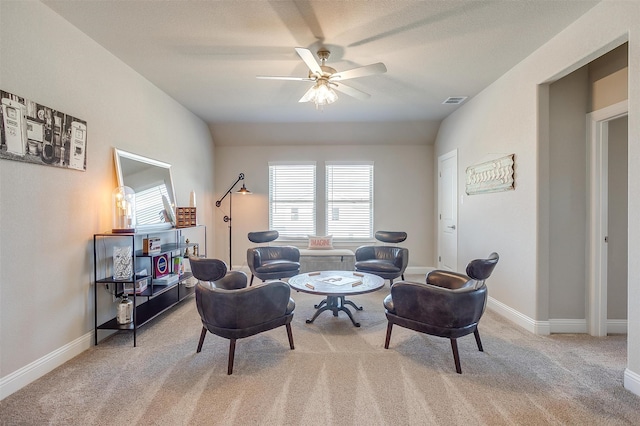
point(597, 210)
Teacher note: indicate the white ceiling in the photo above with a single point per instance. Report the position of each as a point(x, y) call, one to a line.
point(206, 54)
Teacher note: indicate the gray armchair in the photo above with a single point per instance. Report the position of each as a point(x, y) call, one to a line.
point(449, 304)
point(230, 309)
point(386, 261)
point(271, 262)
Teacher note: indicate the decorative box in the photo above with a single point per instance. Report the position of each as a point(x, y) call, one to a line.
point(151, 245)
point(178, 265)
point(161, 266)
point(185, 217)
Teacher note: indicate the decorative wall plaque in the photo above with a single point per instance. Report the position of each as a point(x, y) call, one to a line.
point(37, 134)
point(492, 176)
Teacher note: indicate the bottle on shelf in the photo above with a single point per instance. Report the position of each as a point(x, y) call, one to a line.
point(125, 310)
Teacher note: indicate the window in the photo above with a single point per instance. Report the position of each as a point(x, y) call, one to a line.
point(349, 190)
point(292, 200)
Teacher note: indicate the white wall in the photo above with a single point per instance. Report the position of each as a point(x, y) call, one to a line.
point(48, 215)
point(403, 189)
point(504, 118)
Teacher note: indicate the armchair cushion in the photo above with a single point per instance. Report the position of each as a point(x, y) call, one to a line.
point(273, 262)
point(386, 261)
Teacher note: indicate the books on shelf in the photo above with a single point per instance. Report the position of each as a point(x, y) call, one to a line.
point(167, 279)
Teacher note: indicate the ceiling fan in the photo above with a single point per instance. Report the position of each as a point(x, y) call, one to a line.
point(326, 78)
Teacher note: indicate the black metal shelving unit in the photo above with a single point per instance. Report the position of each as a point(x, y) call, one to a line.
point(157, 298)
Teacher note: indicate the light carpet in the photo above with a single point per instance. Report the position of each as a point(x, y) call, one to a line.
point(337, 374)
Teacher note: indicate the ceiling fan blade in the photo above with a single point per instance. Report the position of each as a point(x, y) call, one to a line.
point(377, 68)
point(275, 77)
point(348, 90)
point(310, 60)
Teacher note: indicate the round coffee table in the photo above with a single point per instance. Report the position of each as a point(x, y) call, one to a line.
point(336, 285)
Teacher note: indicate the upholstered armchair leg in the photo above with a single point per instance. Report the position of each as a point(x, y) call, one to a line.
point(388, 339)
point(391, 283)
point(478, 341)
point(456, 356)
point(402, 276)
point(232, 352)
point(251, 280)
point(203, 334)
point(290, 336)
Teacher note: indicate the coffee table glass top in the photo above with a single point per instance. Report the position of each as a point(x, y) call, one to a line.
point(336, 283)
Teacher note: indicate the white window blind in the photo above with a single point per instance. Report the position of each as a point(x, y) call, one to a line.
point(349, 200)
point(292, 200)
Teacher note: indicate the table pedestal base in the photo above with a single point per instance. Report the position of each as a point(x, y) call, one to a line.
point(335, 304)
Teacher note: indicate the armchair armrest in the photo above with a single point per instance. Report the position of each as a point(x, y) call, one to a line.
point(401, 258)
point(365, 253)
point(285, 252)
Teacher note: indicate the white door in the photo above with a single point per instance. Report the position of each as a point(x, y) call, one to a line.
point(448, 211)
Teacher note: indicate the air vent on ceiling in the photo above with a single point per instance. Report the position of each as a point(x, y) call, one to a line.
point(454, 100)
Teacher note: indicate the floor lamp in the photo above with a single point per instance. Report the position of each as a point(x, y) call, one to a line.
point(227, 218)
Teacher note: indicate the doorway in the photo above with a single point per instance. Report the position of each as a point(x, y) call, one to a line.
point(606, 207)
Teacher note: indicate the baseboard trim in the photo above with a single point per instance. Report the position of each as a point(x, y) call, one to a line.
point(529, 324)
point(632, 381)
point(580, 326)
point(38, 368)
point(570, 326)
point(617, 326)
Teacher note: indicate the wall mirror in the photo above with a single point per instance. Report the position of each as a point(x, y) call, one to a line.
point(152, 182)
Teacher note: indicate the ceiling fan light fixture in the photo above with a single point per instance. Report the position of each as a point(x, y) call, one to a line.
point(324, 94)
point(321, 94)
point(326, 78)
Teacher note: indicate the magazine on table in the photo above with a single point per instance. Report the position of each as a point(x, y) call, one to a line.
point(340, 280)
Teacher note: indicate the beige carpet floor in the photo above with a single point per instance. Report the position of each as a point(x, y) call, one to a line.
point(337, 374)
